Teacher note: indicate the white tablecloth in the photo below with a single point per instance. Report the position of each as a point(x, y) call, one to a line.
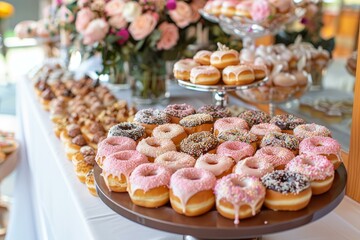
point(51, 203)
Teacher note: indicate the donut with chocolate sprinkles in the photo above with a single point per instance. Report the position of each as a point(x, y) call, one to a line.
point(199, 143)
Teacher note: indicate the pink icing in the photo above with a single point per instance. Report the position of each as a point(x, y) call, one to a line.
point(311, 130)
point(230, 123)
point(218, 55)
point(148, 176)
point(202, 53)
point(114, 144)
point(239, 191)
point(315, 167)
point(275, 155)
point(236, 150)
point(167, 131)
point(175, 160)
point(207, 70)
point(215, 163)
point(186, 182)
point(154, 147)
point(238, 70)
point(185, 65)
point(263, 128)
point(320, 145)
point(253, 166)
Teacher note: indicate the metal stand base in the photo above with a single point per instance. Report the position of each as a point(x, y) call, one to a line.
point(187, 237)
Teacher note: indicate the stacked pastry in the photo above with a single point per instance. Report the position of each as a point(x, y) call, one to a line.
point(8, 144)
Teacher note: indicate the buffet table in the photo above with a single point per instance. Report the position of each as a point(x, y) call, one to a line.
point(50, 202)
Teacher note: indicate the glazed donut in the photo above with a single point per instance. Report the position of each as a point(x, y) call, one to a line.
point(287, 122)
point(197, 122)
point(118, 166)
point(175, 160)
point(148, 185)
point(74, 146)
point(224, 57)
point(215, 111)
point(277, 156)
point(127, 129)
point(226, 123)
point(236, 150)
point(90, 182)
point(311, 130)
point(260, 70)
point(263, 128)
point(174, 132)
point(179, 111)
point(317, 168)
point(183, 67)
point(284, 140)
point(243, 8)
point(191, 191)
point(151, 118)
point(82, 169)
point(218, 164)
point(112, 145)
point(205, 75)
point(285, 82)
point(253, 117)
point(238, 135)
point(153, 147)
point(253, 167)
point(239, 197)
point(326, 146)
point(199, 143)
point(86, 154)
point(238, 75)
point(202, 57)
point(286, 191)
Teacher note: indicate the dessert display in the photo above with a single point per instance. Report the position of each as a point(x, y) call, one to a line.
point(8, 144)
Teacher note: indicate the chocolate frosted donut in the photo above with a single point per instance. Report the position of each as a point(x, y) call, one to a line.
point(127, 129)
point(215, 111)
point(287, 122)
point(151, 116)
point(253, 117)
point(179, 110)
point(285, 182)
point(199, 143)
point(284, 140)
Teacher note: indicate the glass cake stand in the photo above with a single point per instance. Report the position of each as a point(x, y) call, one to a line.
point(212, 225)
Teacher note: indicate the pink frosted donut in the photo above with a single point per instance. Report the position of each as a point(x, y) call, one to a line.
point(223, 124)
point(175, 160)
point(148, 185)
point(253, 166)
point(203, 57)
point(118, 166)
point(236, 150)
point(245, 195)
point(317, 168)
point(171, 131)
point(218, 164)
point(263, 128)
point(277, 156)
point(111, 145)
point(311, 130)
point(326, 146)
point(153, 147)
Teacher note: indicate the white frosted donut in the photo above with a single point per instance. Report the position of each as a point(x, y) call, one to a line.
point(253, 166)
point(183, 67)
point(238, 75)
point(223, 58)
point(205, 75)
point(219, 165)
point(203, 57)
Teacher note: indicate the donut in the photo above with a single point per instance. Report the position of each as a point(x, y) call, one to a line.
point(126, 129)
point(171, 131)
point(216, 7)
point(326, 146)
point(238, 75)
point(224, 57)
point(118, 166)
point(238, 135)
point(284, 140)
point(82, 169)
point(202, 57)
point(263, 128)
point(74, 146)
point(253, 117)
point(91, 127)
point(70, 132)
point(239, 197)
point(86, 154)
point(226, 123)
point(151, 118)
point(191, 191)
point(253, 167)
point(311, 130)
point(285, 82)
point(175, 160)
point(260, 71)
point(153, 147)
point(205, 75)
point(228, 8)
point(286, 191)
point(112, 145)
point(199, 143)
point(277, 156)
point(148, 185)
point(90, 183)
point(219, 165)
point(243, 8)
point(287, 122)
point(197, 122)
point(183, 67)
point(317, 168)
point(236, 150)
point(215, 111)
point(179, 111)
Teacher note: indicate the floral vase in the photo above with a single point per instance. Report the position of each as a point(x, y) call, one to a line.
point(148, 80)
point(114, 75)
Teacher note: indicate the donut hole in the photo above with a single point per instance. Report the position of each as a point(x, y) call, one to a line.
point(151, 173)
point(252, 165)
point(166, 130)
point(169, 160)
point(126, 128)
point(233, 147)
point(153, 144)
point(211, 161)
point(308, 162)
point(242, 183)
point(318, 145)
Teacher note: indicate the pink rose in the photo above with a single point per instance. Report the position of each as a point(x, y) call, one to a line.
point(84, 17)
point(142, 26)
point(182, 14)
point(171, 4)
point(117, 21)
point(195, 6)
point(169, 36)
point(66, 16)
point(260, 10)
point(114, 7)
point(124, 36)
point(95, 31)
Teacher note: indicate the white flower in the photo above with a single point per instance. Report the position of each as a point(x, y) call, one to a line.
point(131, 11)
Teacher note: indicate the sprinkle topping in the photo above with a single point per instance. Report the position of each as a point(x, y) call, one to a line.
point(285, 182)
